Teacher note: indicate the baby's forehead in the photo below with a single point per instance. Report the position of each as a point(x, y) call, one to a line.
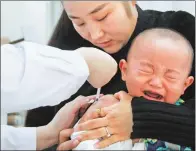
point(150, 45)
point(149, 38)
point(163, 51)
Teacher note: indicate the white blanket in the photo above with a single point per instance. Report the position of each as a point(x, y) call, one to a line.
point(123, 145)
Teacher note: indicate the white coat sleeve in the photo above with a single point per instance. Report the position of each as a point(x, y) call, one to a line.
point(34, 75)
point(20, 138)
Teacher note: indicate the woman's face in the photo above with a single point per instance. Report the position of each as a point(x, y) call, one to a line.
point(106, 24)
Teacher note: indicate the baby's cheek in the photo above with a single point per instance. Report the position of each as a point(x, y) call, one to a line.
point(173, 93)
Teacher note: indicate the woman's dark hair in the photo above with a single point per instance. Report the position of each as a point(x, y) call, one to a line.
point(65, 36)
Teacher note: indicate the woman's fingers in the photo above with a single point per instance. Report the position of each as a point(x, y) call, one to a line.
point(65, 143)
point(79, 105)
point(123, 96)
point(64, 135)
point(81, 102)
point(94, 134)
point(93, 96)
point(92, 124)
point(97, 113)
point(68, 145)
point(101, 112)
point(85, 105)
point(106, 142)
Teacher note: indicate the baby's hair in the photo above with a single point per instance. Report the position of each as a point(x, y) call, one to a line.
point(169, 34)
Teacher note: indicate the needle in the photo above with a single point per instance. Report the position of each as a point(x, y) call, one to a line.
point(98, 94)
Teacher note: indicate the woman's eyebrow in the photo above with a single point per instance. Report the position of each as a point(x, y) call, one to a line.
point(97, 9)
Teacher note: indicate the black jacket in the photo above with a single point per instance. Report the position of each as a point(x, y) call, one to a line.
point(151, 119)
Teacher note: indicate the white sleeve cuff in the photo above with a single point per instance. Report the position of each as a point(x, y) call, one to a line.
point(23, 138)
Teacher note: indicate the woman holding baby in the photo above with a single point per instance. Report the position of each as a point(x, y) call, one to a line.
point(112, 26)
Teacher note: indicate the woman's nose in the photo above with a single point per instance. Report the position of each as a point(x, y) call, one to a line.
point(95, 31)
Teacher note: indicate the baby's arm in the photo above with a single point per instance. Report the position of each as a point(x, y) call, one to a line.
point(104, 101)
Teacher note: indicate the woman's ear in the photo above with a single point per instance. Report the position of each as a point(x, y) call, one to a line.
point(123, 69)
point(188, 82)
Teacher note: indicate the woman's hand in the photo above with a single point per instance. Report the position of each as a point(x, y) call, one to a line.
point(65, 118)
point(65, 143)
point(116, 119)
point(122, 95)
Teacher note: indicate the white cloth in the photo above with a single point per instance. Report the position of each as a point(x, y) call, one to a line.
point(89, 144)
point(123, 145)
point(34, 75)
point(139, 146)
point(22, 138)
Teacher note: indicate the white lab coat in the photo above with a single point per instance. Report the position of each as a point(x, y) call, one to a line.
point(34, 75)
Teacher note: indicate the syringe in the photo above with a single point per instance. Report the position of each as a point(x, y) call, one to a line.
point(97, 96)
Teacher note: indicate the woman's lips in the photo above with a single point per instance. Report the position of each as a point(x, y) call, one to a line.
point(105, 44)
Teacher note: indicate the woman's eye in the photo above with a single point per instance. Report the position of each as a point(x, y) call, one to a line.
point(102, 18)
point(82, 24)
point(78, 23)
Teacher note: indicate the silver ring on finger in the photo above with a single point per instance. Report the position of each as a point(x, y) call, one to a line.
point(107, 132)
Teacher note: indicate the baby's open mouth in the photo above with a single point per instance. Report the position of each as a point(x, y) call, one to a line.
point(153, 95)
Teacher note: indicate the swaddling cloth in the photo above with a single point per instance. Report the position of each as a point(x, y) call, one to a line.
point(89, 144)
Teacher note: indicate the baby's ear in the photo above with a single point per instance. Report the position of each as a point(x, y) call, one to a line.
point(188, 82)
point(123, 69)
